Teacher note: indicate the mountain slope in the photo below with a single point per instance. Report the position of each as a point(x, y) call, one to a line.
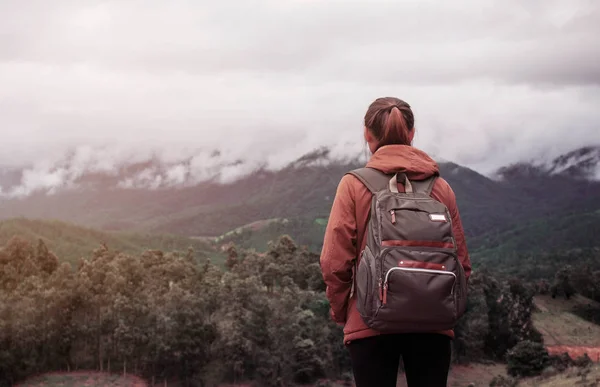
point(582, 163)
point(559, 232)
point(70, 242)
point(522, 212)
point(205, 209)
point(523, 205)
point(213, 209)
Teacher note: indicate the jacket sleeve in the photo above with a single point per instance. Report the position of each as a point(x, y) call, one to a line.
point(459, 234)
point(339, 250)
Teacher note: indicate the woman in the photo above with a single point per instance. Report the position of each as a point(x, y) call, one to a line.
point(375, 357)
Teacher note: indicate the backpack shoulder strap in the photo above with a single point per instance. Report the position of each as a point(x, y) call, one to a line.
point(372, 178)
point(424, 186)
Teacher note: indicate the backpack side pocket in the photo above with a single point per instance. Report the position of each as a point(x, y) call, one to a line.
point(365, 284)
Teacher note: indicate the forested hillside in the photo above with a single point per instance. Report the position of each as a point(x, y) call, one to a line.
point(165, 316)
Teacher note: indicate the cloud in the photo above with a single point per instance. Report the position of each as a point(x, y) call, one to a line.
point(491, 82)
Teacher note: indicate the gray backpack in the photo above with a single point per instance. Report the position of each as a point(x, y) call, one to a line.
point(409, 278)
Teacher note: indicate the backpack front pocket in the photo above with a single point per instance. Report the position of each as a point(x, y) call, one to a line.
point(417, 298)
point(415, 222)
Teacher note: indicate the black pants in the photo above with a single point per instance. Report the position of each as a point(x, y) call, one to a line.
point(426, 358)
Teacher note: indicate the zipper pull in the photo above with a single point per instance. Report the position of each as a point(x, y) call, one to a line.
point(385, 288)
point(393, 212)
point(380, 290)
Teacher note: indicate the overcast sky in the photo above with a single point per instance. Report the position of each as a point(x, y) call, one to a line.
point(491, 82)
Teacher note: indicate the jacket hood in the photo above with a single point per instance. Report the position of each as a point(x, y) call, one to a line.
point(403, 158)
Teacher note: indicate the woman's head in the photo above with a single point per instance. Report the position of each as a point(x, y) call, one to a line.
point(389, 121)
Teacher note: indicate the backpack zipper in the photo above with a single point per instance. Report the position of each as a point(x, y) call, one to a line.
point(420, 199)
point(393, 213)
point(430, 271)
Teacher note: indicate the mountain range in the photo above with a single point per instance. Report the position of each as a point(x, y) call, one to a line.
point(528, 206)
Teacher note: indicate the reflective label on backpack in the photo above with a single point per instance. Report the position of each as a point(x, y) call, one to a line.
point(438, 217)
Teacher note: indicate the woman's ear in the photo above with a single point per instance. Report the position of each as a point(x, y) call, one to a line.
point(411, 135)
point(368, 136)
point(371, 141)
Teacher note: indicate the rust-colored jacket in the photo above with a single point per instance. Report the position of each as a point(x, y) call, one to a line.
point(345, 236)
